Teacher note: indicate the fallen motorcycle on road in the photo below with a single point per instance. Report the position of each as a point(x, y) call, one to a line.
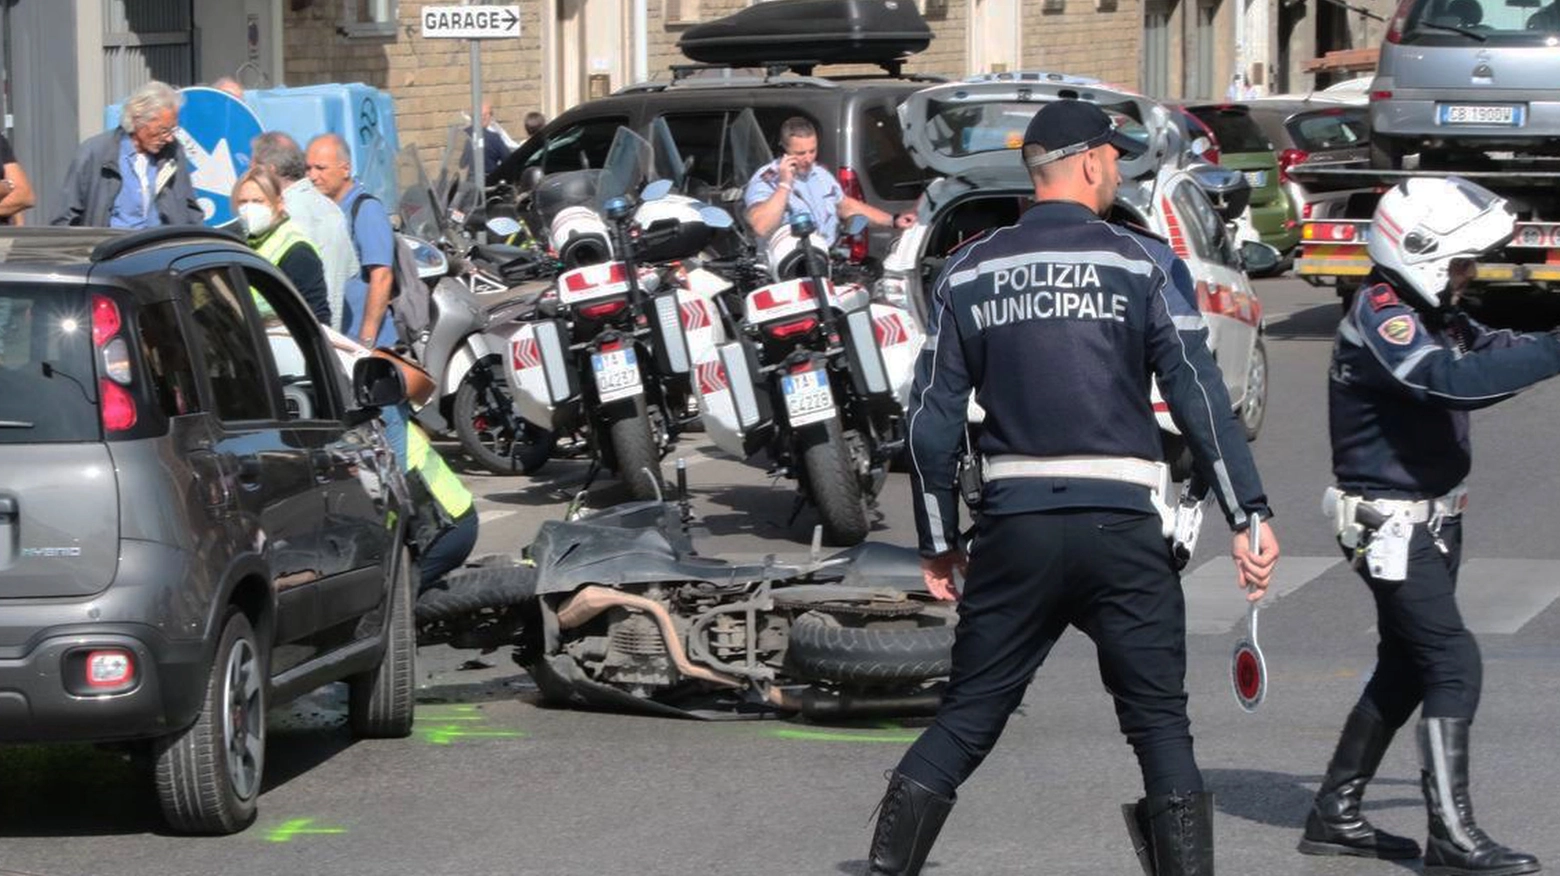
point(617, 611)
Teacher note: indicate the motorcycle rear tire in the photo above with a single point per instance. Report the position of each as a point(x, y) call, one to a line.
point(822, 649)
point(530, 449)
point(633, 447)
point(834, 488)
point(470, 591)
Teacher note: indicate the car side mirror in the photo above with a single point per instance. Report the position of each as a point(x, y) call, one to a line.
point(377, 383)
point(1258, 257)
point(1200, 145)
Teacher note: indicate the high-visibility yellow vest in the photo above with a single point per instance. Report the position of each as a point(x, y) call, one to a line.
point(424, 462)
point(280, 239)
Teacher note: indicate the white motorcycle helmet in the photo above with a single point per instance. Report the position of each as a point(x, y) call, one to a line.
point(1423, 224)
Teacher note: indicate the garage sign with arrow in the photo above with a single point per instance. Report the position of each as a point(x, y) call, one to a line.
point(470, 22)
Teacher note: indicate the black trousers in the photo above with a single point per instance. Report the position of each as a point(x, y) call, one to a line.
point(1031, 576)
point(1426, 654)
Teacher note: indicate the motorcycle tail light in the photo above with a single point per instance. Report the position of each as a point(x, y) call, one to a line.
point(802, 367)
point(603, 309)
point(790, 328)
point(611, 346)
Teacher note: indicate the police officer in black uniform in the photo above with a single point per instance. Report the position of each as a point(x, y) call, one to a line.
point(1057, 325)
point(1407, 367)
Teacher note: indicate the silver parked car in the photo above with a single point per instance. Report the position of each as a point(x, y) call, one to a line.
point(1467, 76)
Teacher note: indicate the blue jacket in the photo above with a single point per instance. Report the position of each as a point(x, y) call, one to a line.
point(1402, 383)
point(1058, 323)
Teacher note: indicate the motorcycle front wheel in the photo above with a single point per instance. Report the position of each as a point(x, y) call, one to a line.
point(831, 482)
point(638, 462)
point(491, 433)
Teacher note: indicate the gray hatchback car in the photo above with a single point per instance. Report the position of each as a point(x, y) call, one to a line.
point(179, 548)
point(1467, 76)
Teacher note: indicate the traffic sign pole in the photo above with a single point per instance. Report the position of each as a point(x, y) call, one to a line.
point(478, 133)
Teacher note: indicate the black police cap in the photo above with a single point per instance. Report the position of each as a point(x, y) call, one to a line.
point(1069, 127)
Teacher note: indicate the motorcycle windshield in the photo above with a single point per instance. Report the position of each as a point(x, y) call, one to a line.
point(420, 215)
point(668, 159)
point(749, 149)
point(627, 168)
point(455, 183)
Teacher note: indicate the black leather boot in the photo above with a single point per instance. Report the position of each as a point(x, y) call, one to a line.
point(1173, 834)
point(1456, 845)
point(909, 818)
point(1335, 825)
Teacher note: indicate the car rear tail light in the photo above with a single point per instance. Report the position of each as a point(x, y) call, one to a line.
point(105, 319)
point(116, 407)
point(1329, 232)
point(1381, 95)
point(116, 360)
point(782, 330)
point(1289, 158)
point(850, 184)
point(603, 309)
point(1306, 210)
point(110, 669)
point(1395, 29)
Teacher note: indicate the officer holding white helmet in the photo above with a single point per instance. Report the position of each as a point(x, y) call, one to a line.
point(1407, 367)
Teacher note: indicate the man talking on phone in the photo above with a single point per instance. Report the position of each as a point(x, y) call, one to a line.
point(795, 183)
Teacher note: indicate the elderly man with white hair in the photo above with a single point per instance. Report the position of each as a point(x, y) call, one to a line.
point(135, 175)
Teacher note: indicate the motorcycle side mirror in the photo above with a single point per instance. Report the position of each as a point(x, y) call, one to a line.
point(503, 226)
point(856, 224)
point(657, 190)
point(802, 224)
point(529, 179)
point(617, 208)
point(715, 217)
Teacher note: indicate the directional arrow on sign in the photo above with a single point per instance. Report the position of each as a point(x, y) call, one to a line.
point(214, 171)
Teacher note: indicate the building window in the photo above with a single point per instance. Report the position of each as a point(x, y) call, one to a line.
point(368, 18)
point(681, 11)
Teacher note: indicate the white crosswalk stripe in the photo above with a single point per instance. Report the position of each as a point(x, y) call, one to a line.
point(1215, 603)
point(1496, 596)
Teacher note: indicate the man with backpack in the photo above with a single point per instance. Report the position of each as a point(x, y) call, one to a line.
point(367, 296)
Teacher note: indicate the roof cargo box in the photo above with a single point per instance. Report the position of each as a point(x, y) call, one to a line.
point(819, 31)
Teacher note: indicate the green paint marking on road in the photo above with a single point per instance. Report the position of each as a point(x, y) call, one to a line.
point(447, 733)
point(299, 827)
point(800, 734)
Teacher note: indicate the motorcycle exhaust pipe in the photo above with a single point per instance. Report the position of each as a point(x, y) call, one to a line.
point(823, 705)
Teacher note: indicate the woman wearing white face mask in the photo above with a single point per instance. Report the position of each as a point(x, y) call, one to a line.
point(257, 199)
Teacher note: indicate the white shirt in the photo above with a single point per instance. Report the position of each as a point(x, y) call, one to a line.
point(323, 222)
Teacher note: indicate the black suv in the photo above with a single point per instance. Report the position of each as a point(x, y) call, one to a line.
point(859, 139)
point(199, 517)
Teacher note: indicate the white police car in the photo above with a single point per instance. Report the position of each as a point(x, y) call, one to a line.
point(968, 133)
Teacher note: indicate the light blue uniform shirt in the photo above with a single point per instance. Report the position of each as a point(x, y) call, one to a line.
point(136, 206)
point(818, 194)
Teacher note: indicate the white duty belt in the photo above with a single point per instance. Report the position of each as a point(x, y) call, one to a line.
point(1453, 504)
point(1125, 469)
point(1122, 469)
